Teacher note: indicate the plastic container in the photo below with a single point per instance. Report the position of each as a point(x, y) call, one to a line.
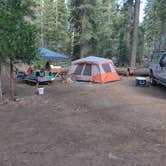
point(141, 81)
point(40, 91)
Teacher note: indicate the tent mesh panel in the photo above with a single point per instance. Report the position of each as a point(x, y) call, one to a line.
point(106, 67)
point(87, 70)
point(79, 69)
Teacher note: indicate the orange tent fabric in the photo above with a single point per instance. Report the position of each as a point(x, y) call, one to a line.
point(94, 69)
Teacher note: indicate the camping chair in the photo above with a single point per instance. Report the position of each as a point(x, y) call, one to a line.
point(20, 75)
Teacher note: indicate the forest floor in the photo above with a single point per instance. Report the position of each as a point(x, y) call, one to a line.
point(115, 124)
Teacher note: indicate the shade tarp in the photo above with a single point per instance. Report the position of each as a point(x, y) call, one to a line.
point(51, 55)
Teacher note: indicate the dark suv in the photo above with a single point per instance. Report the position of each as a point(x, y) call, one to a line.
point(158, 68)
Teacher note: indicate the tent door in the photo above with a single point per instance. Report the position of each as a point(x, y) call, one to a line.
point(86, 72)
point(79, 69)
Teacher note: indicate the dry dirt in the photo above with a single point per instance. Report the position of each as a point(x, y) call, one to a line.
point(115, 124)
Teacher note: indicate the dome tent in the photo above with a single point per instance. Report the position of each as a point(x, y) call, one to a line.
point(94, 69)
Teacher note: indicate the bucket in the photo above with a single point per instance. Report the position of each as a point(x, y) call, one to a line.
point(40, 91)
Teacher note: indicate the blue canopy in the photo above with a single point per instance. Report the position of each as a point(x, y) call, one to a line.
point(51, 55)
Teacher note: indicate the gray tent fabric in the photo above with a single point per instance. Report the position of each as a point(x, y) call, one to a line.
point(92, 59)
point(51, 55)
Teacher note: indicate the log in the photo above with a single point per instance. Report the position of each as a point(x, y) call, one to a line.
point(139, 72)
point(122, 71)
point(133, 72)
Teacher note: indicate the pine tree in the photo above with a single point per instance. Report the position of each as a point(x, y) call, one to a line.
point(18, 34)
point(134, 36)
point(82, 26)
point(155, 23)
point(107, 28)
point(52, 24)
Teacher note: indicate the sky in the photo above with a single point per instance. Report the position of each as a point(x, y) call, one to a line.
point(143, 3)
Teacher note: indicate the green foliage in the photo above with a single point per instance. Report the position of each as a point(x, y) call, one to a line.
point(17, 32)
point(107, 16)
point(53, 17)
point(105, 30)
point(112, 30)
point(37, 64)
point(78, 35)
point(155, 24)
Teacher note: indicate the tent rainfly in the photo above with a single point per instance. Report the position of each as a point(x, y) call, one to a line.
point(51, 55)
point(94, 69)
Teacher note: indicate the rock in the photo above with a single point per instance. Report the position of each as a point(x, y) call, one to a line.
point(111, 156)
point(17, 99)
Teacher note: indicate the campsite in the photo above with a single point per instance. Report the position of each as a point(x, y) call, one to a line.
point(85, 124)
point(82, 83)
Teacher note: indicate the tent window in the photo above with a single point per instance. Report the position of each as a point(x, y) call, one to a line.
point(87, 70)
point(79, 69)
point(106, 67)
point(96, 70)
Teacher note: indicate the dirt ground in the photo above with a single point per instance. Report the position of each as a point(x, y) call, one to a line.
point(115, 124)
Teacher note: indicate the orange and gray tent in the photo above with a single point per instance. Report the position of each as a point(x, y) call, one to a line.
point(94, 69)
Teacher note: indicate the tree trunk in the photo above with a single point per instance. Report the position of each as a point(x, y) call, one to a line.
point(83, 25)
point(0, 84)
point(11, 80)
point(42, 35)
point(56, 7)
point(130, 15)
point(142, 38)
point(135, 34)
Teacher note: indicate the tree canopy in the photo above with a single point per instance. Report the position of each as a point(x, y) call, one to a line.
point(155, 24)
point(18, 33)
point(80, 28)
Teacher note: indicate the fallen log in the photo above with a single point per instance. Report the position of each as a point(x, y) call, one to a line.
point(122, 71)
point(139, 72)
point(133, 72)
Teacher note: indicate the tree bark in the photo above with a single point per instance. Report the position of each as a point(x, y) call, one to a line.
point(56, 14)
point(42, 35)
point(136, 72)
point(83, 25)
point(142, 38)
point(130, 15)
point(11, 80)
point(0, 84)
point(135, 34)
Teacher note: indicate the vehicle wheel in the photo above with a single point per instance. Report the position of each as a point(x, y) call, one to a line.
point(152, 81)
